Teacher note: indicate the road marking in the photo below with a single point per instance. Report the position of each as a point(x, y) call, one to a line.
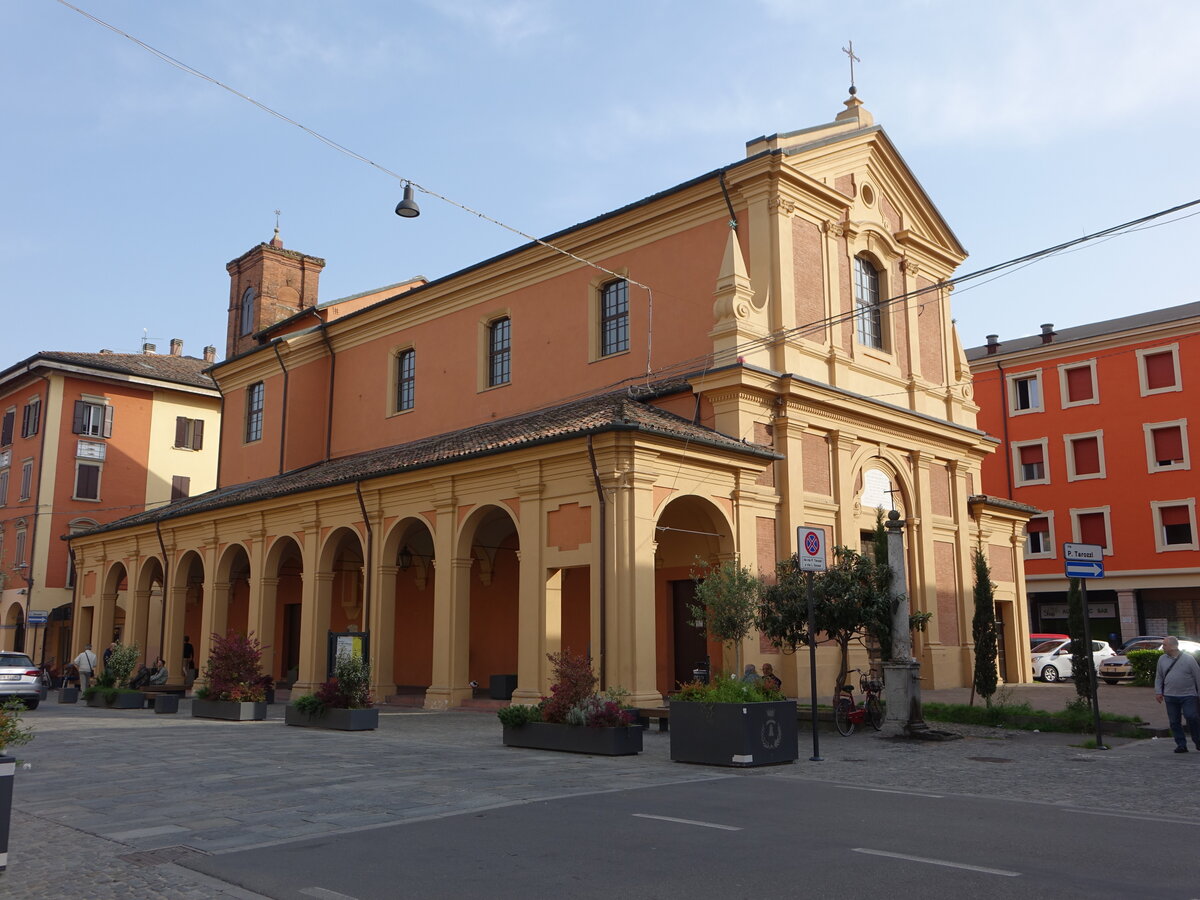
point(1117, 815)
point(855, 787)
point(144, 832)
point(322, 894)
point(937, 862)
point(687, 822)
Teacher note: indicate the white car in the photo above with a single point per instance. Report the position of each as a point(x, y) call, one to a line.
point(1052, 660)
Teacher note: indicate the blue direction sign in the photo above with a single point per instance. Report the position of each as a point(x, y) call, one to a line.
point(1084, 560)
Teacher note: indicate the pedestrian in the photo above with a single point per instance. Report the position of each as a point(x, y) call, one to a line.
point(1177, 683)
point(769, 679)
point(85, 665)
point(108, 651)
point(189, 656)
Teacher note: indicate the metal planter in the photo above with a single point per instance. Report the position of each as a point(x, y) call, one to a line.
point(230, 710)
point(620, 740)
point(336, 719)
point(734, 734)
point(120, 700)
point(8, 770)
point(68, 695)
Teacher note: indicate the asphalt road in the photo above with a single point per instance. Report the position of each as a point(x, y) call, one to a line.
point(739, 837)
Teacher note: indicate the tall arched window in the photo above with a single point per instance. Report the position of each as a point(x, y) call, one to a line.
point(866, 304)
point(248, 311)
point(499, 351)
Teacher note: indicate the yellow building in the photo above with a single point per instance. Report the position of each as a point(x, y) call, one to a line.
point(533, 453)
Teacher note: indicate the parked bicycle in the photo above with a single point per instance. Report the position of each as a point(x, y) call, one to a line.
point(848, 715)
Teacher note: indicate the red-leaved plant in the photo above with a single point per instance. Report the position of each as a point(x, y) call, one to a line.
point(234, 669)
point(574, 682)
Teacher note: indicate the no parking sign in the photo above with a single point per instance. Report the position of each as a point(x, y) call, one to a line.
point(812, 549)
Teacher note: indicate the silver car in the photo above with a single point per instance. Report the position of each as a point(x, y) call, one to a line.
point(1118, 668)
point(19, 678)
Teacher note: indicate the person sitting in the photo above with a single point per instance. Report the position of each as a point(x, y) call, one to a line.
point(141, 679)
point(770, 680)
point(751, 675)
point(159, 673)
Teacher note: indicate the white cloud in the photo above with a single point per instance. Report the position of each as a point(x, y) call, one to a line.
point(504, 23)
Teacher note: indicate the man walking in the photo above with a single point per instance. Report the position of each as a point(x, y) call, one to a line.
point(1177, 681)
point(85, 665)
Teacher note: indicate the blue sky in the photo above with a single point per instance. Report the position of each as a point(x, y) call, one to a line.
point(127, 184)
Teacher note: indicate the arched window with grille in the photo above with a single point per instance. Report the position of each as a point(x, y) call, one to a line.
point(247, 311)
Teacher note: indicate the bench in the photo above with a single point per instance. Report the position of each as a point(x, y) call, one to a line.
point(661, 713)
point(150, 691)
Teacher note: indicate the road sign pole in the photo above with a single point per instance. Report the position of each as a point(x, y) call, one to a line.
point(1093, 685)
point(812, 667)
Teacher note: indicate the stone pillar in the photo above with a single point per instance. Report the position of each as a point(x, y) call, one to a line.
point(902, 675)
point(1127, 614)
point(260, 617)
point(532, 626)
point(137, 620)
point(102, 631)
point(383, 633)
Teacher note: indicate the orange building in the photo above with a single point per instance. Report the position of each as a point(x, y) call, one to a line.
point(535, 452)
point(86, 438)
point(1094, 422)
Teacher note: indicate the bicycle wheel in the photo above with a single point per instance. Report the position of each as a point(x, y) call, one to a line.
point(875, 712)
point(842, 708)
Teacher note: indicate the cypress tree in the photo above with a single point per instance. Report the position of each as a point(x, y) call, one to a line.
point(983, 630)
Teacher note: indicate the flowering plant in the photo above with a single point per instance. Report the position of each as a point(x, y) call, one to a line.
point(348, 688)
point(572, 700)
point(234, 670)
point(12, 734)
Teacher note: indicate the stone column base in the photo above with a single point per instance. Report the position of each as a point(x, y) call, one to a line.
point(902, 693)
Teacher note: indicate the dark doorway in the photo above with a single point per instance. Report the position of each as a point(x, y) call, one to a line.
point(690, 646)
point(291, 642)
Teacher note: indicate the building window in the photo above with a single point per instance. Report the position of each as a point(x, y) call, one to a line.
point(92, 419)
point(1077, 383)
point(4, 488)
point(254, 411)
point(87, 481)
point(1085, 455)
point(189, 433)
point(1166, 446)
point(19, 548)
point(1025, 393)
point(406, 379)
point(1174, 525)
point(31, 417)
point(76, 527)
point(247, 318)
point(1091, 526)
point(26, 479)
point(181, 487)
point(1039, 538)
point(1029, 462)
point(6, 429)
point(499, 352)
point(866, 304)
point(614, 317)
point(1158, 370)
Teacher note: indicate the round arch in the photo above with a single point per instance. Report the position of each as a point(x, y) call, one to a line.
point(490, 540)
point(404, 646)
point(283, 595)
point(232, 584)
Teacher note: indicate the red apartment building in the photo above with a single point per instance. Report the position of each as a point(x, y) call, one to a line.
point(86, 438)
point(1094, 428)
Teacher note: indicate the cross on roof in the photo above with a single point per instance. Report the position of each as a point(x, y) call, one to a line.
point(849, 51)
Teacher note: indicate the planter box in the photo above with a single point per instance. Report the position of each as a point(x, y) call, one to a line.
point(8, 768)
point(68, 695)
point(166, 703)
point(229, 710)
point(337, 719)
point(130, 700)
point(622, 740)
point(734, 734)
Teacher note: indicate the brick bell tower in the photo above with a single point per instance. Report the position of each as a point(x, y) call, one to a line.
point(267, 285)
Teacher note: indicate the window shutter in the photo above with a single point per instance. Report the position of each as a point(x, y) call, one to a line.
point(197, 434)
point(1079, 384)
point(77, 420)
point(1091, 529)
point(108, 420)
point(1160, 370)
point(1174, 515)
point(1031, 454)
point(181, 431)
point(1037, 525)
point(87, 482)
point(181, 486)
point(27, 418)
point(1087, 456)
point(1168, 445)
point(6, 431)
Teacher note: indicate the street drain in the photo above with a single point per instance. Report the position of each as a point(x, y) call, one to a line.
point(161, 856)
point(991, 759)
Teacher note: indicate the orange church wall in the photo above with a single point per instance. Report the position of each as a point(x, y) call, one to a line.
point(494, 619)
point(413, 637)
point(242, 461)
point(577, 611)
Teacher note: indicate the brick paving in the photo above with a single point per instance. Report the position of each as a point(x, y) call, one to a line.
point(116, 802)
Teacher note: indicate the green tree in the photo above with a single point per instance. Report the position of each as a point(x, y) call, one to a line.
point(1081, 653)
point(727, 601)
point(848, 598)
point(983, 631)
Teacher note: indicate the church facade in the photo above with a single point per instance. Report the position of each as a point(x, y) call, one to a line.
point(535, 453)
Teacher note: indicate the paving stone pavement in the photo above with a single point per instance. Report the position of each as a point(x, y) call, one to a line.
point(115, 802)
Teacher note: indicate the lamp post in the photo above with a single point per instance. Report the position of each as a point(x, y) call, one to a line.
point(27, 577)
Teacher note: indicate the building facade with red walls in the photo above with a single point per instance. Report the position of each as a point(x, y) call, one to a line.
point(1095, 422)
point(86, 438)
point(534, 453)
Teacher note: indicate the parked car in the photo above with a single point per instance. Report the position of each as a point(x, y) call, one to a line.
point(1052, 659)
point(1035, 639)
point(19, 678)
point(1118, 668)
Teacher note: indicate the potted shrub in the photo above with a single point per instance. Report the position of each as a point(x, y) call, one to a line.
point(234, 685)
point(111, 690)
point(344, 702)
point(12, 734)
point(573, 719)
point(731, 723)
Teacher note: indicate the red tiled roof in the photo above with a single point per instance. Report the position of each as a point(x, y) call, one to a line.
point(619, 411)
point(177, 369)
